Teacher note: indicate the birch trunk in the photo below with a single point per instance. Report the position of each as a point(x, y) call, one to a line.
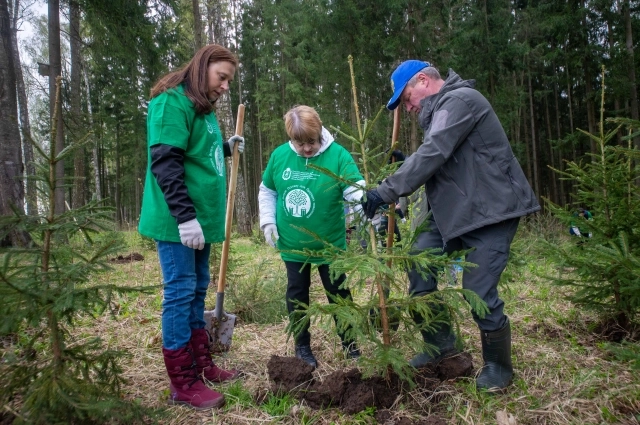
point(55, 70)
point(25, 124)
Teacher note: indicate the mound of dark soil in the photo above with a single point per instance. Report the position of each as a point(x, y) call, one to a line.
point(129, 258)
point(454, 367)
point(350, 392)
point(289, 374)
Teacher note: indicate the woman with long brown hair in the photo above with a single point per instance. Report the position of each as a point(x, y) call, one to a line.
point(183, 209)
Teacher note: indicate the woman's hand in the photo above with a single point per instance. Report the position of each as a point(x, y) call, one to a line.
point(191, 234)
point(236, 139)
point(271, 234)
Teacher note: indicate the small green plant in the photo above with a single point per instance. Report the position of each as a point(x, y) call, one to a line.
point(278, 405)
point(367, 416)
point(237, 396)
point(626, 352)
point(255, 298)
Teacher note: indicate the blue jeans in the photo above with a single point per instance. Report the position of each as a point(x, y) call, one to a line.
point(185, 273)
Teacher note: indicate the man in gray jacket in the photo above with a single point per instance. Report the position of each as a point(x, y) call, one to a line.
point(476, 193)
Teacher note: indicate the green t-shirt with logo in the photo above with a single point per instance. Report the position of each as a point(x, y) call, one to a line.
point(172, 120)
point(309, 199)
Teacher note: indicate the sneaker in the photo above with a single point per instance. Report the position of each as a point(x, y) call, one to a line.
point(304, 352)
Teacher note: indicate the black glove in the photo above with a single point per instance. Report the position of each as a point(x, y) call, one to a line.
point(396, 156)
point(372, 201)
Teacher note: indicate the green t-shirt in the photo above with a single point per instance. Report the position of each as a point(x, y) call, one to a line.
point(172, 120)
point(309, 199)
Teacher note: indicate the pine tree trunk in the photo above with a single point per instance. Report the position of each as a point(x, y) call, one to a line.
point(11, 189)
point(518, 122)
point(25, 124)
point(561, 184)
point(526, 134)
point(117, 196)
point(226, 119)
point(243, 210)
point(489, 53)
point(79, 182)
point(234, 16)
point(534, 147)
point(214, 16)
point(94, 151)
point(591, 113)
point(55, 70)
point(553, 177)
point(631, 67)
point(225, 116)
point(197, 25)
point(209, 21)
point(414, 133)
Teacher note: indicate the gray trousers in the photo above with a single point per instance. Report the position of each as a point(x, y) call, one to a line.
point(491, 253)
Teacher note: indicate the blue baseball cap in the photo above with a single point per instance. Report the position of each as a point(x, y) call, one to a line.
point(401, 76)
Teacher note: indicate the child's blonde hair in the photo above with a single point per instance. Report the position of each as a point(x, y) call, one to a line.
point(303, 124)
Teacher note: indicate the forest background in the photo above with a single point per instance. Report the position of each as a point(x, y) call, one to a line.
point(538, 62)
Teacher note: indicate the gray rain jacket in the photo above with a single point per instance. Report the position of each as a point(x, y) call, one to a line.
point(471, 176)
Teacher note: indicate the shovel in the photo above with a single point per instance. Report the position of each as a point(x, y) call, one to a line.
point(219, 323)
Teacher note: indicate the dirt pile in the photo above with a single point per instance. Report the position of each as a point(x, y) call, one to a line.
point(128, 258)
point(349, 391)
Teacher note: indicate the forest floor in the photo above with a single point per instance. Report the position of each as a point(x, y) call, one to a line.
point(564, 371)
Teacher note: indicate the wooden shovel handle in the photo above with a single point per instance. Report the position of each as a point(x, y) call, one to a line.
point(233, 178)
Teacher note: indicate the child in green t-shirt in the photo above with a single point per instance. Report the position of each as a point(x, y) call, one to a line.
point(293, 197)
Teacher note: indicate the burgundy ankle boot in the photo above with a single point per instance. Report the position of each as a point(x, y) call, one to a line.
point(186, 386)
point(204, 364)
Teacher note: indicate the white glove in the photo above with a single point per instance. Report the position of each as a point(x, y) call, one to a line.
point(271, 234)
point(191, 234)
point(235, 139)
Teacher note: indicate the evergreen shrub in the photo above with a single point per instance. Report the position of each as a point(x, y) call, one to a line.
point(50, 374)
point(602, 272)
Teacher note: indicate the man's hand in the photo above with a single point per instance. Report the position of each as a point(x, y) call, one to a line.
point(372, 201)
point(271, 234)
point(239, 140)
point(396, 156)
point(191, 234)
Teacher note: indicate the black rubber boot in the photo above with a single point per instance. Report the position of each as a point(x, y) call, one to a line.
point(304, 352)
point(497, 373)
point(351, 350)
point(445, 342)
point(443, 339)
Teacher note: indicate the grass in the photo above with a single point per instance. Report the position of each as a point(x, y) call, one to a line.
point(564, 374)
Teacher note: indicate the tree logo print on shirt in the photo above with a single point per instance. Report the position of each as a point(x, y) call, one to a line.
point(209, 125)
point(216, 155)
point(286, 174)
point(299, 202)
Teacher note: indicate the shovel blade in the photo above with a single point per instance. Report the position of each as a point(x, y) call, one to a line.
point(221, 331)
